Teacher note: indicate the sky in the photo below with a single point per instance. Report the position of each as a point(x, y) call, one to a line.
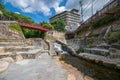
point(42, 10)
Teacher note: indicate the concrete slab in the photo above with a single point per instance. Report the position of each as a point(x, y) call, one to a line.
point(44, 68)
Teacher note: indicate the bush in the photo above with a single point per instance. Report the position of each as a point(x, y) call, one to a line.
point(113, 37)
point(81, 49)
point(16, 27)
point(49, 37)
point(104, 21)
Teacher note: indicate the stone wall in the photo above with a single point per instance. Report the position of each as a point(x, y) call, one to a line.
point(58, 35)
point(6, 33)
point(94, 37)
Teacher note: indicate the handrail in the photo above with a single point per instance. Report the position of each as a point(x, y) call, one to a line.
point(106, 8)
point(32, 26)
point(110, 5)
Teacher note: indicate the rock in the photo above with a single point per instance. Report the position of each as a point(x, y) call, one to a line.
point(3, 66)
point(71, 77)
point(118, 66)
point(63, 56)
point(109, 64)
point(88, 78)
point(8, 59)
point(116, 46)
point(19, 57)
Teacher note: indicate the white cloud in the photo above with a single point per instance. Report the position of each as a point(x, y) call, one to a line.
point(44, 6)
point(32, 6)
point(17, 12)
point(60, 9)
point(72, 4)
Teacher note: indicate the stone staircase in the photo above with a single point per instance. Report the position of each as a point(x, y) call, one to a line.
point(12, 42)
point(97, 51)
point(12, 50)
point(114, 51)
point(107, 55)
point(22, 46)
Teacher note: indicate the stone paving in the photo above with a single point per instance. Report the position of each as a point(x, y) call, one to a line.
point(43, 68)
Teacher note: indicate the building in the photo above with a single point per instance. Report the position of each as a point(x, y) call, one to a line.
point(70, 17)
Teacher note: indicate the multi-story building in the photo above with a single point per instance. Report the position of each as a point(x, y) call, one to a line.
point(69, 17)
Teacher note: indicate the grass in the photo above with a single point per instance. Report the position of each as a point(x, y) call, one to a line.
point(16, 28)
point(113, 37)
point(103, 21)
point(49, 37)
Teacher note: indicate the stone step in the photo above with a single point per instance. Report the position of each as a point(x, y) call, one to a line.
point(114, 53)
point(97, 51)
point(106, 61)
point(12, 42)
point(6, 53)
point(103, 46)
point(12, 45)
point(34, 51)
point(15, 48)
point(116, 46)
point(31, 54)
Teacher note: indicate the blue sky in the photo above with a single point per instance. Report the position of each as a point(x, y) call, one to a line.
point(42, 10)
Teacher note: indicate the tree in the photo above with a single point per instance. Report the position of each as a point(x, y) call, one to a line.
point(46, 25)
point(2, 6)
point(59, 25)
point(27, 33)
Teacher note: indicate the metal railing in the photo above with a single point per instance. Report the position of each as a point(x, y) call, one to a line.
point(110, 5)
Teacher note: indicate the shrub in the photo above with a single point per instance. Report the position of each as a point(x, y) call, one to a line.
point(81, 49)
point(113, 37)
point(16, 27)
point(104, 21)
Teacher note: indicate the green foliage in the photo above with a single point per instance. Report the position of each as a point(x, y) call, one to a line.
point(49, 37)
point(113, 37)
point(27, 33)
point(13, 15)
point(1, 6)
point(33, 33)
point(46, 25)
point(81, 49)
point(59, 25)
point(16, 27)
point(103, 21)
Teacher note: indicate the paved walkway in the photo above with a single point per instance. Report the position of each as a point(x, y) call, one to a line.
point(44, 68)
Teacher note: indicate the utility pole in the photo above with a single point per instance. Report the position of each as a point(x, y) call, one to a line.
point(81, 11)
point(92, 7)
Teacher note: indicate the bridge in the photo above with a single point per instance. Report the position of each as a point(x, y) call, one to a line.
point(32, 26)
point(25, 25)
